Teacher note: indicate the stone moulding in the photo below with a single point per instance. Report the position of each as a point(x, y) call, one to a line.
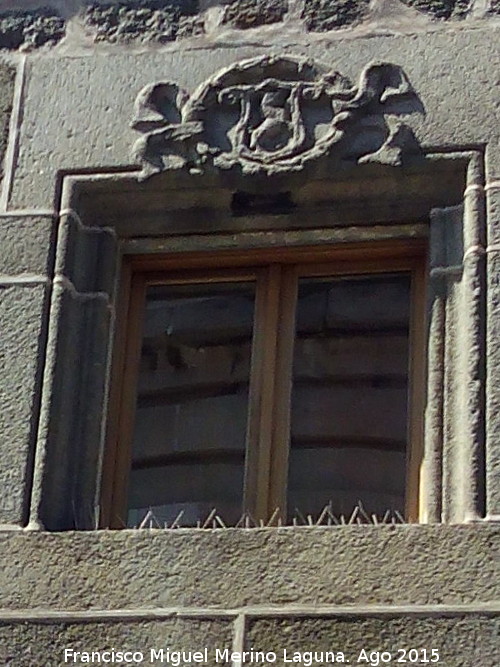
point(109, 215)
point(270, 115)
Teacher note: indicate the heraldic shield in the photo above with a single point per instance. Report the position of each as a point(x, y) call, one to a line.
point(268, 114)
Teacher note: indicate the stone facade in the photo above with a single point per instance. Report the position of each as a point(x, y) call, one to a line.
point(46, 23)
point(111, 145)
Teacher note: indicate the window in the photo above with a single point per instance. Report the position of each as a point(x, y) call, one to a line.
point(287, 379)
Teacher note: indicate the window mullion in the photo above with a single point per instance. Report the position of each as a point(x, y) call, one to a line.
point(282, 392)
point(262, 388)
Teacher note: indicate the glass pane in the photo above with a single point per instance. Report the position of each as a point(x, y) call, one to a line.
point(189, 436)
point(349, 396)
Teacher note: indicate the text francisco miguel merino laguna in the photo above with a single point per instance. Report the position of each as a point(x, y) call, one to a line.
point(203, 656)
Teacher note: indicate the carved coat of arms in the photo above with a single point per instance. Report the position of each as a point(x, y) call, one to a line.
point(272, 114)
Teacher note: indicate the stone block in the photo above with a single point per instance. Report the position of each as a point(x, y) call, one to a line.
point(493, 214)
point(234, 567)
point(442, 9)
point(351, 355)
point(25, 30)
point(494, 8)
point(26, 244)
point(446, 237)
point(190, 26)
point(71, 427)
point(454, 439)
point(460, 641)
point(244, 14)
point(492, 158)
point(36, 643)
point(88, 125)
point(143, 21)
point(223, 419)
point(352, 412)
point(22, 326)
point(7, 76)
point(322, 15)
point(493, 385)
point(86, 256)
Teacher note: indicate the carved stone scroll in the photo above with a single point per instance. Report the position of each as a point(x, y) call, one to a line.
point(275, 114)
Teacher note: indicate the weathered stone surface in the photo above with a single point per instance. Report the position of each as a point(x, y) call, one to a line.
point(179, 131)
point(86, 256)
point(454, 440)
point(322, 15)
point(493, 383)
point(190, 26)
point(492, 162)
point(494, 7)
point(93, 131)
point(245, 14)
point(493, 336)
point(75, 117)
point(23, 645)
point(71, 419)
point(7, 76)
point(30, 29)
point(25, 244)
point(28, 24)
point(460, 641)
point(139, 21)
point(493, 214)
point(448, 564)
point(442, 9)
point(22, 336)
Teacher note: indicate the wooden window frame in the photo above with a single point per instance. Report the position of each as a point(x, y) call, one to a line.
point(276, 272)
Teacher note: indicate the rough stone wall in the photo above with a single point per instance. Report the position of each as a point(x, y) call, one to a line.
point(153, 21)
point(47, 23)
point(30, 30)
point(443, 9)
point(494, 7)
point(69, 75)
point(305, 589)
point(244, 14)
point(322, 15)
point(7, 76)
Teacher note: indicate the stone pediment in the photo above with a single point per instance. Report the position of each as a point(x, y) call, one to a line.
point(271, 115)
